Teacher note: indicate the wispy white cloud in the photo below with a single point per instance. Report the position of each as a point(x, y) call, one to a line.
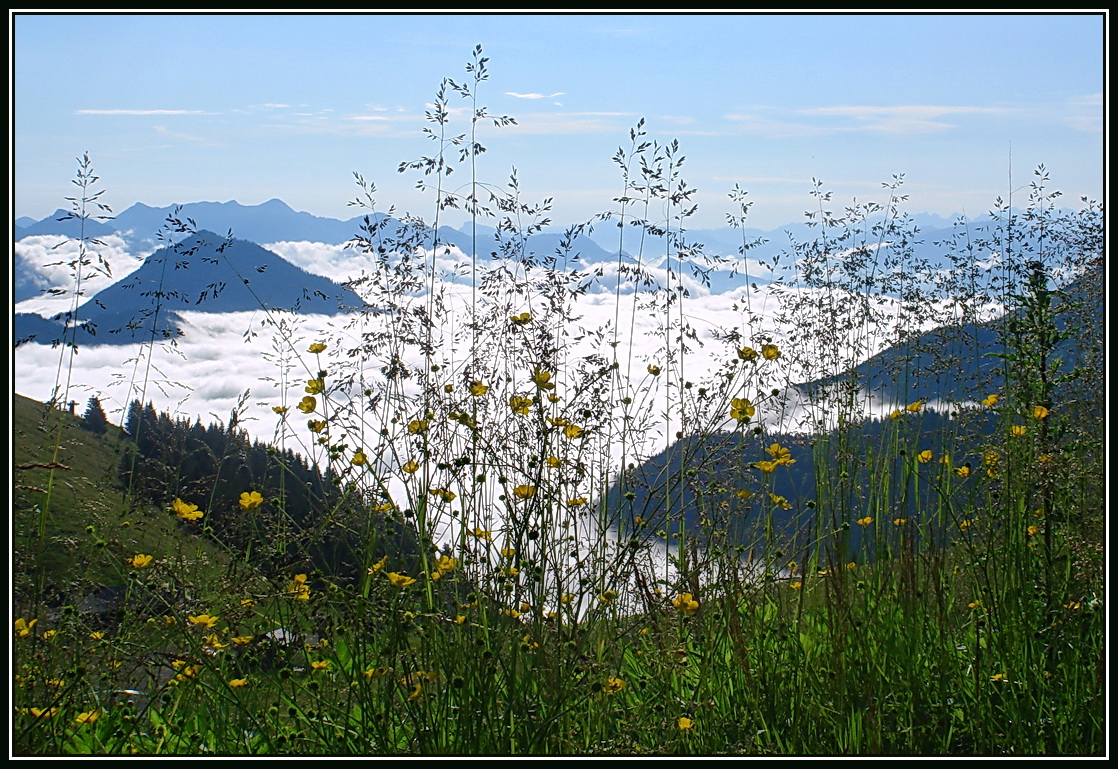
point(817, 121)
point(142, 112)
point(534, 95)
point(911, 118)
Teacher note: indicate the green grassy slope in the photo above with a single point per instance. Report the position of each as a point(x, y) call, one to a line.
point(73, 526)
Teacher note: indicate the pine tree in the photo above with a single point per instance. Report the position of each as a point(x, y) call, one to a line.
point(94, 418)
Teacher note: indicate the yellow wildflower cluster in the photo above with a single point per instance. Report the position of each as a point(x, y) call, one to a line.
point(186, 511)
point(780, 456)
point(445, 565)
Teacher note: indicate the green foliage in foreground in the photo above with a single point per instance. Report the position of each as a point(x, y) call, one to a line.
point(992, 646)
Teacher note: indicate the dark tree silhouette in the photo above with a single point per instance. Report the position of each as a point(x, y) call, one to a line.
point(94, 418)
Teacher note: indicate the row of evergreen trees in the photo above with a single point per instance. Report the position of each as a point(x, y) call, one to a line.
point(309, 520)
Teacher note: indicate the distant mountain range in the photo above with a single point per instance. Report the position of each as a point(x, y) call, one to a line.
point(203, 272)
point(604, 251)
point(600, 250)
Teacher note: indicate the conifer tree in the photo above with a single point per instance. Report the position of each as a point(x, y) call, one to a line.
point(94, 418)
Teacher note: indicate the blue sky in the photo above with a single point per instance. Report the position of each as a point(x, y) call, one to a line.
point(179, 108)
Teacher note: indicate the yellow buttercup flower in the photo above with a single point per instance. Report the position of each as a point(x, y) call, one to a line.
point(279, 409)
point(742, 409)
point(963, 471)
point(524, 491)
point(88, 717)
point(316, 425)
point(685, 724)
point(796, 585)
point(865, 521)
point(780, 454)
point(990, 400)
point(779, 501)
point(770, 351)
point(205, 620)
point(613, 685)
point(307, 405)
point(573, 431)
point(481, 533)
point(477, 389)
point(900, 521)
point(400, 580)
point(241, 640)
point(250, 500)
point(542, 379)
point(608, 597)
point(1039, 412)
point(924, 457)
point(522, 319)
point(519, 404)
point(410, 466)
point(1018, 430)
point(237, 683)
point(315, 386)
point(686, 604)
point(359, 459)
point(320, 664)
point(444, 494)
point(747, 353)
point(915, 407)
point(298, 588)
point(576, 502)
point(317, 347)
point(140, 561)
point(418, 426)
point(24, 628)
point(186, 511)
